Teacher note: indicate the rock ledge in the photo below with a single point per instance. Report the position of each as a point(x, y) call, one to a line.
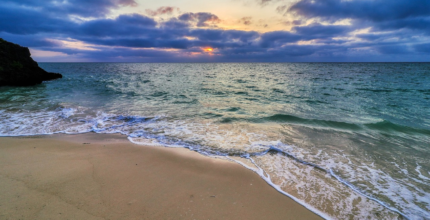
point(17, 68)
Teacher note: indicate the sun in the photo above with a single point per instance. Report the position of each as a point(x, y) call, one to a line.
point(208, 49)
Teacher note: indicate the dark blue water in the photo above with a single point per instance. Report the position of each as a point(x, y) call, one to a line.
point(347, 140)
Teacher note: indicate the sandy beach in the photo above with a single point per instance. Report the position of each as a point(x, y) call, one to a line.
point(96, 176)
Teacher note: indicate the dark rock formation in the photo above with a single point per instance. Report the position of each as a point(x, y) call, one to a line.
point(17, 68)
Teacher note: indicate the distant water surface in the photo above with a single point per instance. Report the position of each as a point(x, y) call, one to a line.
point(347, 140)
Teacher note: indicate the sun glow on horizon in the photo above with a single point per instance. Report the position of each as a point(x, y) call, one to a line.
point(208, 49)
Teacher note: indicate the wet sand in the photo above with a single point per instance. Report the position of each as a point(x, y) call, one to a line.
point(96, 176)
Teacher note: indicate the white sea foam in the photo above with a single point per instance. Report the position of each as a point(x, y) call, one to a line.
point(312, 179)
point(266, 178)
point(418, 168)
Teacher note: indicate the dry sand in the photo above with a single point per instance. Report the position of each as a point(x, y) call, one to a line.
point(59, 177)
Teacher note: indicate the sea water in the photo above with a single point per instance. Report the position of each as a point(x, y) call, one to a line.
point(346, 140)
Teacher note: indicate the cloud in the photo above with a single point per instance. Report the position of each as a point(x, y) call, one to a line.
point(142, 43)
point(202, 18)
point(266, 2)
point(387, 32)
point(225, 35)
point(421, 24)
point(302, 33)
point(281, 9)
point(423, 48)
point(380, 10)
point(277, 38)
point(381, 14)
point(130, 25)
point(162, 11)
point(30, 21)
point(393, 49)
point(33, 41)
point(83, 8)
point(174, 23)
point(246, 20)
point(313, 31)
point(263, 2)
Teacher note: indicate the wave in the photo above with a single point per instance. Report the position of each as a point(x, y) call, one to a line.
point(331, 173)
point(155, 129)
point(382, 126)
point(388, 126)
point(316, 122)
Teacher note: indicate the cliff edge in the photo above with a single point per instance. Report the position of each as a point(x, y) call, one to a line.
point(17, 68)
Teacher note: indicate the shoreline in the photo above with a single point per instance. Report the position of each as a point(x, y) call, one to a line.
point(104, 176)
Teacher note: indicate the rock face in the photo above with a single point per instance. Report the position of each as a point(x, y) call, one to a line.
point(17, 68)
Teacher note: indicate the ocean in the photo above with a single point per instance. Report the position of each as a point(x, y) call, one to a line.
point(346, 140)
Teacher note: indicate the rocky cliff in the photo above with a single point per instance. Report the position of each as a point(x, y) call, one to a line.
point(17, 68)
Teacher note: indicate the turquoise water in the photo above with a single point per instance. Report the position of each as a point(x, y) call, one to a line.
point(347, 140)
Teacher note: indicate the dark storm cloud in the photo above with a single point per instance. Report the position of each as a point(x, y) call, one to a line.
point(380, 14)
point(20, 20)
point(278, 54)
point(274, 38)
point(380, 10)
point(321, 31)
point(141, 42)
point(33, 41)
point(161, 38)
point(400, 23)
point(421, 24)
point(302, 33)
point(396, 28)
point(400, 36)
point(175, 23)
point(224, 35)
point(132, 24)
point(84, 8)
point(127, 52)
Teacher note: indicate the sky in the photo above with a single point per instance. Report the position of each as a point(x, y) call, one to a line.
point(219, 31)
